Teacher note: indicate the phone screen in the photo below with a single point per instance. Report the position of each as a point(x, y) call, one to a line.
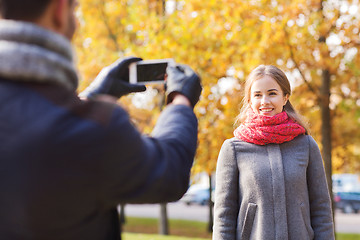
point(151, 72)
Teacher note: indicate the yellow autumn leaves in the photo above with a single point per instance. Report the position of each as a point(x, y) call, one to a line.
point(227, 39)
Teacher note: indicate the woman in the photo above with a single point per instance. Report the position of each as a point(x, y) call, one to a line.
point(270, 179)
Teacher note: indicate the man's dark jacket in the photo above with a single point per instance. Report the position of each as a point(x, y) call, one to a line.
point(66, 164)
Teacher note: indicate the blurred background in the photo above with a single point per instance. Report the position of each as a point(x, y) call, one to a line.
point(315, 42)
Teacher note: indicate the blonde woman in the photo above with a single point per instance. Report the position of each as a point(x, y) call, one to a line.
point(270, 179)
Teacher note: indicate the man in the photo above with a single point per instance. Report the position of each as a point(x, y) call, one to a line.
point(66, 163)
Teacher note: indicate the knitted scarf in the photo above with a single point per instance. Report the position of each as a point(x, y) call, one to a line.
point(262, 130)
point(29, 53)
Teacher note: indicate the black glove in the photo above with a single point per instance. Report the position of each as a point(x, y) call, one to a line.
point(182, 79)
point(114, 80)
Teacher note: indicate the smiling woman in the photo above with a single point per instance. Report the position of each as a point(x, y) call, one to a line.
point(270, 179)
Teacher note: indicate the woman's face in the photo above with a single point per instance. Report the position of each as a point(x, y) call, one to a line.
point(266, 97)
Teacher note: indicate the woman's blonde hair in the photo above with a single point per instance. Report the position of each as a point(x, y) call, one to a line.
point(280, 77)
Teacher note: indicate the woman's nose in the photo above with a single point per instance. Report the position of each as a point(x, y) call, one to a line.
point(264, 100)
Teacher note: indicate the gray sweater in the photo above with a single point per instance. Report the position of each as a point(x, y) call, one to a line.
point(276, 191)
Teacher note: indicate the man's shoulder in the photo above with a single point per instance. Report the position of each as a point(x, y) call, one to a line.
point(59, 97)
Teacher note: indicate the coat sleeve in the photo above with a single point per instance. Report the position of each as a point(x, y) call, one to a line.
point(144, 169)
point(226, 194)
point(320, 204)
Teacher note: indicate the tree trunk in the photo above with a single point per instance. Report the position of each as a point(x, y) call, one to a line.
point(164, 226)
point(122, 214)
point(326, 117)
point(326, 128)
point(164, 222)
point(210, 204)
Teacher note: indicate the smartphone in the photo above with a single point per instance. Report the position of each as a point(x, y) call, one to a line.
point(149, 71)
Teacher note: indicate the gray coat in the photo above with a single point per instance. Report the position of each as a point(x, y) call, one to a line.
point(276, 191)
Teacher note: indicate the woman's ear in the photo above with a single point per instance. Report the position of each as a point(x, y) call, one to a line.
point(286, 98)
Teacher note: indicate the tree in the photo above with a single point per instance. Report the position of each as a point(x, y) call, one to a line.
point(107, 31)
point(116, 28)
point(315, 41)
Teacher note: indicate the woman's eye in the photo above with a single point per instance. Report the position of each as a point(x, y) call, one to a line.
point(257, 95)
point(272, 93)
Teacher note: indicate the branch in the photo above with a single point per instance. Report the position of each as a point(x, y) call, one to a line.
point(352, 43)
point(107, 25)
point(292, 57)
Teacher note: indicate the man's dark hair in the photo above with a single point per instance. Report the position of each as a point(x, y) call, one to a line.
point(26, 10)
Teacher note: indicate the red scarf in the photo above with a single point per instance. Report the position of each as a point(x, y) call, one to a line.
point(261, 129)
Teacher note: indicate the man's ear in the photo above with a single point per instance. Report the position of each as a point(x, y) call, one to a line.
point(60, 13)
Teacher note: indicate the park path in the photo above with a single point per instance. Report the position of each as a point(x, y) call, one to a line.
point(345, 223)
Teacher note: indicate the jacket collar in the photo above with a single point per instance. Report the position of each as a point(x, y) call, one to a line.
point(30, 53)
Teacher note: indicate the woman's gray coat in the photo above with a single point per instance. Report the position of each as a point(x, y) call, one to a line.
point(272, 192)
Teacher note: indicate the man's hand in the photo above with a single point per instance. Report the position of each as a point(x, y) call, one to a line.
point(113, 80)
point(182, 79)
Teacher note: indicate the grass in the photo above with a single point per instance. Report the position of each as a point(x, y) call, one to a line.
point(140, 236)
point(346, 236)
point(147, 229)
point(182, 228)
